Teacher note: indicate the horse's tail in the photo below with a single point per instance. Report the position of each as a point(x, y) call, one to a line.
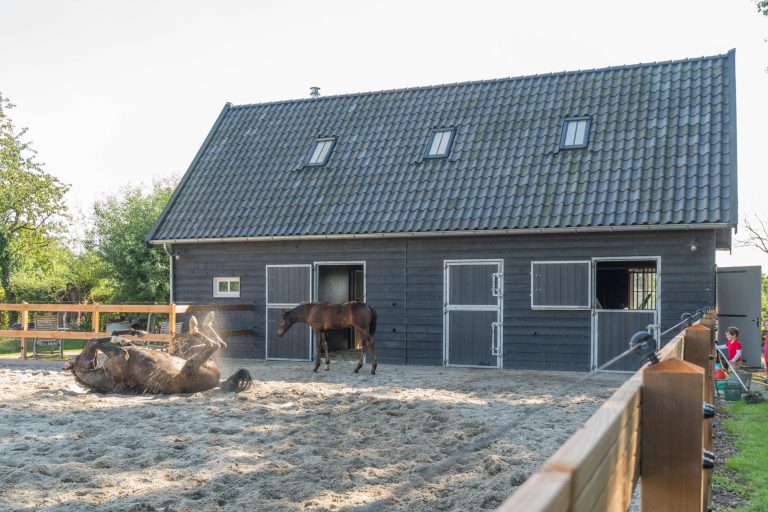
point(372, 327)
point(239, 381)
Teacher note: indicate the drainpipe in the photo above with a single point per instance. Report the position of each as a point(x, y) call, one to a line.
point(170, 270)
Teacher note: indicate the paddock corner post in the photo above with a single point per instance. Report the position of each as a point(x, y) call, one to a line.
point(24, 327)
point(545, 491)
point(699, 350)
point(672, 428)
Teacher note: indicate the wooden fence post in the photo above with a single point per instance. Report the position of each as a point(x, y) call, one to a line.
point(24, 327)
point(708, 320)
point(699, 349)
point(671, 463)
point(95, 318)
point(172, 320)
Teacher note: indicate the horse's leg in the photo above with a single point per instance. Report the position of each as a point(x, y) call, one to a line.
point(199, 358)
point(373, 354)
point(195, 362)
point(319, 343)
point(362, 352)
point(325, 347)
point(191, 352)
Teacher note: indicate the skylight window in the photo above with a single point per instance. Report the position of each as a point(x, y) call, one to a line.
point(440, 143)
point(321, 151)
point(575, 133)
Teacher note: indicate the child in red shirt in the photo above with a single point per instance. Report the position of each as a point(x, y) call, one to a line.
point(734, 347)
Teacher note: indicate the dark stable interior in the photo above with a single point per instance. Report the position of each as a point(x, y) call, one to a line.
point(337, 284)
point(625, 285)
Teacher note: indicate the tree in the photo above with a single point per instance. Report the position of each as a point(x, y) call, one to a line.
point(61, 275)
point(756, 234)
point(762, 7)
point(31, 201)
point(139, 273)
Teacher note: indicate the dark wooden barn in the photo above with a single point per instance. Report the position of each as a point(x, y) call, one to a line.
point(528, 222)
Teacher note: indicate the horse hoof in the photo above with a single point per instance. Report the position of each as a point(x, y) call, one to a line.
point(327, 369)
point(315, 370)
point(356, 370)
point(373, 372)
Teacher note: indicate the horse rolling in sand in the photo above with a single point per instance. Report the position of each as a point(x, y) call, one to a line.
point(323, 316)
point(131, 369)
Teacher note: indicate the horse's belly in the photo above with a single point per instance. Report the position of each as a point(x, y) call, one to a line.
point(177, 362)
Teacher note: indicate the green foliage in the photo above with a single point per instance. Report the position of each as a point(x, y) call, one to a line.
point(121, 222)
point(762, 7)
point(31, 201)
point(751, 433)
point(61, 275)
point(764, 298)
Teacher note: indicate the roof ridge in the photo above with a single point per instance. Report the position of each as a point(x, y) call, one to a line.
point(484, 81)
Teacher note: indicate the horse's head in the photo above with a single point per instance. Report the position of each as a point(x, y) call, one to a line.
point(85, 361)
point(285, 323)
point(87, 369)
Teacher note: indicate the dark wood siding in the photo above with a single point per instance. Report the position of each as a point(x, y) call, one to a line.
point(404, 281)
point(385, 280)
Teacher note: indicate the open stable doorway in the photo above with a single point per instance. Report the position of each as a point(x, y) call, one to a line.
point(338, 282)
point(625, 301)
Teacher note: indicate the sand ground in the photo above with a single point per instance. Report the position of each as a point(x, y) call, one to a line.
point(295, 441)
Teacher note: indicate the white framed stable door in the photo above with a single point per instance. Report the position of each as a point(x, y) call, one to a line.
point(287, 286)
point(626, 299)
point(473, 298)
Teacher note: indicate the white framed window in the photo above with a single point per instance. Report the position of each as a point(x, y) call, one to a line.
point(575, 132)
point(560, 284)
point(322, 151)
point(226, 287)
point(440, 142)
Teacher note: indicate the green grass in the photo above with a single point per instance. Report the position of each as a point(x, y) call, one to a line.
point(9, 346)
point(750, 464)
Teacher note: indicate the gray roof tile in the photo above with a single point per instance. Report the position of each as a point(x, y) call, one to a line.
point(661, 148)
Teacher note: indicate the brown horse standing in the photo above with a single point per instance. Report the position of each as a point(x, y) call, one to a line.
point(323, 316)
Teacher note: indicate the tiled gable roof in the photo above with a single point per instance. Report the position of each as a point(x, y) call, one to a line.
point(661, 152)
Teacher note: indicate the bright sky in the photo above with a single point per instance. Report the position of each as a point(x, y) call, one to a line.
point(114, 93)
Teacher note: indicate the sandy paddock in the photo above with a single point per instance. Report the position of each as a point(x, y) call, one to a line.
point(295, 441)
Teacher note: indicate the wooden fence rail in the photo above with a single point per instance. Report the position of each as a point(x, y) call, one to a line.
point(97, 310)
point(651, 427)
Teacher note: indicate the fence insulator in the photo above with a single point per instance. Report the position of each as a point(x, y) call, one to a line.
point(708, 460)
point(709, 411)
point(644, 346)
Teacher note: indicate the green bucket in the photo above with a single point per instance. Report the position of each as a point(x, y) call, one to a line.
point(732, 391)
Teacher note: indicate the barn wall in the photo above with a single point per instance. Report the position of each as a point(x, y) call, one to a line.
point(197, 265)
point(404, 281)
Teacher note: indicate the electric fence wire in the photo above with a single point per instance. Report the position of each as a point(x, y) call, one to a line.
point(429, 472)
point(686, 318)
